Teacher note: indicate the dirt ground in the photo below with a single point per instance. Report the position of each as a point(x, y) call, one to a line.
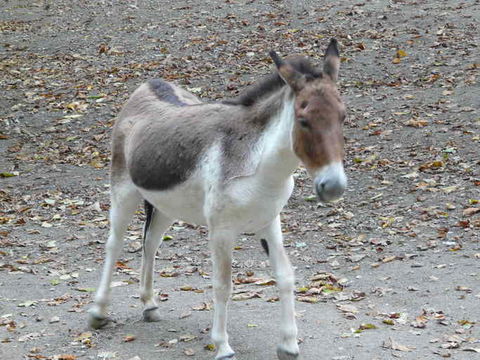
point(391, 271)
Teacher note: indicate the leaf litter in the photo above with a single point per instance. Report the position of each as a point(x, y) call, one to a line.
point(416, 121)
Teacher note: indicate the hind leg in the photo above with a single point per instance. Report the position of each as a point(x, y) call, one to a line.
point(152, 240)
point(124, 201)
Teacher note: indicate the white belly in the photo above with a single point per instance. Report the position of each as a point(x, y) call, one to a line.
point(245, 204)
point(184, 202)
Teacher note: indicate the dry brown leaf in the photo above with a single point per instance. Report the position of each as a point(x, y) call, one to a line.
point(308, 299)
point(417, 123)
point(392, 344)
point(347, 308)
point(129, 338)
point(203, 307)
point(64, 357)
point(245, 296)
point(189, 352)
point(265, 282)
point(470, 211)
point(389, 259)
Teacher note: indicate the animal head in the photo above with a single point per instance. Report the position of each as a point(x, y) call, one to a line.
point(317, 135)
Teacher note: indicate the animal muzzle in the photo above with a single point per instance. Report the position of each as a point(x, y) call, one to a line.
point(330, 182)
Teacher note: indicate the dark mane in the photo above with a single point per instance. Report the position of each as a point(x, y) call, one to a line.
point(272, 82)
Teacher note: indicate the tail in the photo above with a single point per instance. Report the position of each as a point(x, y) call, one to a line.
point(265, 246)
point(149, 209)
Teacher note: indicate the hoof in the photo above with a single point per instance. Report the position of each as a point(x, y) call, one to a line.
point(286, 355)
point(151, 314)
point(230, 356)
point(97, 322)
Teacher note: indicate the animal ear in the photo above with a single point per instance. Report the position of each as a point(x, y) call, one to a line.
point(332, 60)
point(287, 72)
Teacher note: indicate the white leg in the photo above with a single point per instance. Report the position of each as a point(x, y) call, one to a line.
point(153, 239)
point(288, 347)
point(221, 245)
point(123, 204)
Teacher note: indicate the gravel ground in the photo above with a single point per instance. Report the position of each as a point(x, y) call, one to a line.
point(399, 256)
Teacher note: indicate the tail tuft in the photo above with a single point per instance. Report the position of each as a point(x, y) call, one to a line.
point(265, 246)
point(148, 218)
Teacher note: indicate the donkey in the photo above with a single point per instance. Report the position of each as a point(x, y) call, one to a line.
point(229, 166)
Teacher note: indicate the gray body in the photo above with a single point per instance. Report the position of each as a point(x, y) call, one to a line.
point(163, 130)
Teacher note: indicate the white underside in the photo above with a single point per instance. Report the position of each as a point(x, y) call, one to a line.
point(243, 204)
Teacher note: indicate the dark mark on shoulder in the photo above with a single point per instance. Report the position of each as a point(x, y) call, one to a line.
point(164, 92)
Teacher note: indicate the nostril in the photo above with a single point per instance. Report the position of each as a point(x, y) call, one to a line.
point(330, 188)
point(321, 186)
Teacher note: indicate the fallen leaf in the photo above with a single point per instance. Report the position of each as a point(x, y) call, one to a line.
point(245, 296)
point(265, 282)
point(449, 189)
point(203, 307)
point(392, 344)
point(420, 322)
point(27, 303)
point(89, 290)
point(367, 327)
point(28, 337)
point(129, 338)
point(347, 308)
point(64, 357)
point(308, 299)
point(431, 165)
point(187, 338)
point(107, 355)
point(470, 211)
point(83, 336)
point(7, 174)
point(210, 347)
point(169, 272)
point(463, 288)
point(189, 352)
point(416, 123)
point(389, 259)
point(185, 314)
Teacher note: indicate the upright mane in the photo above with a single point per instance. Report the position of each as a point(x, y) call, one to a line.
point(273, 82)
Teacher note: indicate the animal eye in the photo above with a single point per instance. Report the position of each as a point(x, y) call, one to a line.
point(304, 104)
point(304, 123)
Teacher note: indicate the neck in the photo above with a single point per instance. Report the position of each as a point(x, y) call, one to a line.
point(278, 159)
